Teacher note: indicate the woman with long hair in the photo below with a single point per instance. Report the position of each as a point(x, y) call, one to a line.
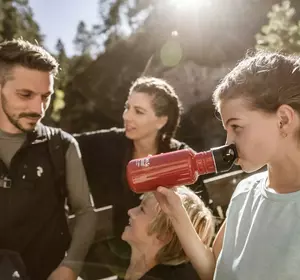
point(151, 116)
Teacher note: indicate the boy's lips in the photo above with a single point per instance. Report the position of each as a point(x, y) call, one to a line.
point(129, 223)
point(129, 128)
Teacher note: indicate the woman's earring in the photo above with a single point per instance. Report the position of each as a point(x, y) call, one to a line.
point(282, 133)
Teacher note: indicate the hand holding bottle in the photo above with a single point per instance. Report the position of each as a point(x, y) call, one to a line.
point(170, 203)
point(200, 255)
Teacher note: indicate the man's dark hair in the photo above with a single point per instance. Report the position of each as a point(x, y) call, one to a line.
point(19, 52)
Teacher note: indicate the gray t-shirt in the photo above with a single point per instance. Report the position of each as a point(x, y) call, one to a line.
point(79, 196)
point(262, 235)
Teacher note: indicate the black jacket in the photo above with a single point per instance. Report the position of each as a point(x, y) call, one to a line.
point(33, 224)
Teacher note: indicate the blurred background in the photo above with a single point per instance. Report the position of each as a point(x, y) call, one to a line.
point(103, 45)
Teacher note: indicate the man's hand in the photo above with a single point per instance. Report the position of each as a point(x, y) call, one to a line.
point(62, 273)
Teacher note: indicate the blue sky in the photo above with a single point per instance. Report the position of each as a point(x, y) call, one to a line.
point(59, 19)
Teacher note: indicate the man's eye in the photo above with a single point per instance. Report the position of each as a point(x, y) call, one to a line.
point(25, 95)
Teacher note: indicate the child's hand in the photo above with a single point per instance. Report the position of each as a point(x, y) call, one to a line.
point(169, 201)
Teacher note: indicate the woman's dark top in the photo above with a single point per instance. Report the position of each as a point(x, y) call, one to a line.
point(105, 154)
point(170, 272)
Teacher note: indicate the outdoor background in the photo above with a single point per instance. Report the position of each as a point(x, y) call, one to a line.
point(103, 45)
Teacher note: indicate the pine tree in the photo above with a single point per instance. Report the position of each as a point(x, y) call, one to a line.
point(58, 102)
point(118, 18)
point(16, 20)
point(84, 41)
point(63, 61)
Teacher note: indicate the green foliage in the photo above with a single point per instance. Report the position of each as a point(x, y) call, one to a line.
point(69, 68)
point(63, 61)
point(282, 32)
point(85, 40)
point(118, 18)
point(16, 20)
point(58, 105)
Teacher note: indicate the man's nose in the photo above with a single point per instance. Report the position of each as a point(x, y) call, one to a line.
point(37, 106)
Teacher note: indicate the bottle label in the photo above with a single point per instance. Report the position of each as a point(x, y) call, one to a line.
point(143, 162)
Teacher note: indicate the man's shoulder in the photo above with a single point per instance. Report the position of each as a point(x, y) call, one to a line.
point(57, 134)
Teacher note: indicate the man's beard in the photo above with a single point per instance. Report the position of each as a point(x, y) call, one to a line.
point(15, 120)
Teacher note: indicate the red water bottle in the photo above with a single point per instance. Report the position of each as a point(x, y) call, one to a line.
point(181, 167)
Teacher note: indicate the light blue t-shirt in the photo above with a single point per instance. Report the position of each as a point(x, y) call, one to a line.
point(262, 235)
